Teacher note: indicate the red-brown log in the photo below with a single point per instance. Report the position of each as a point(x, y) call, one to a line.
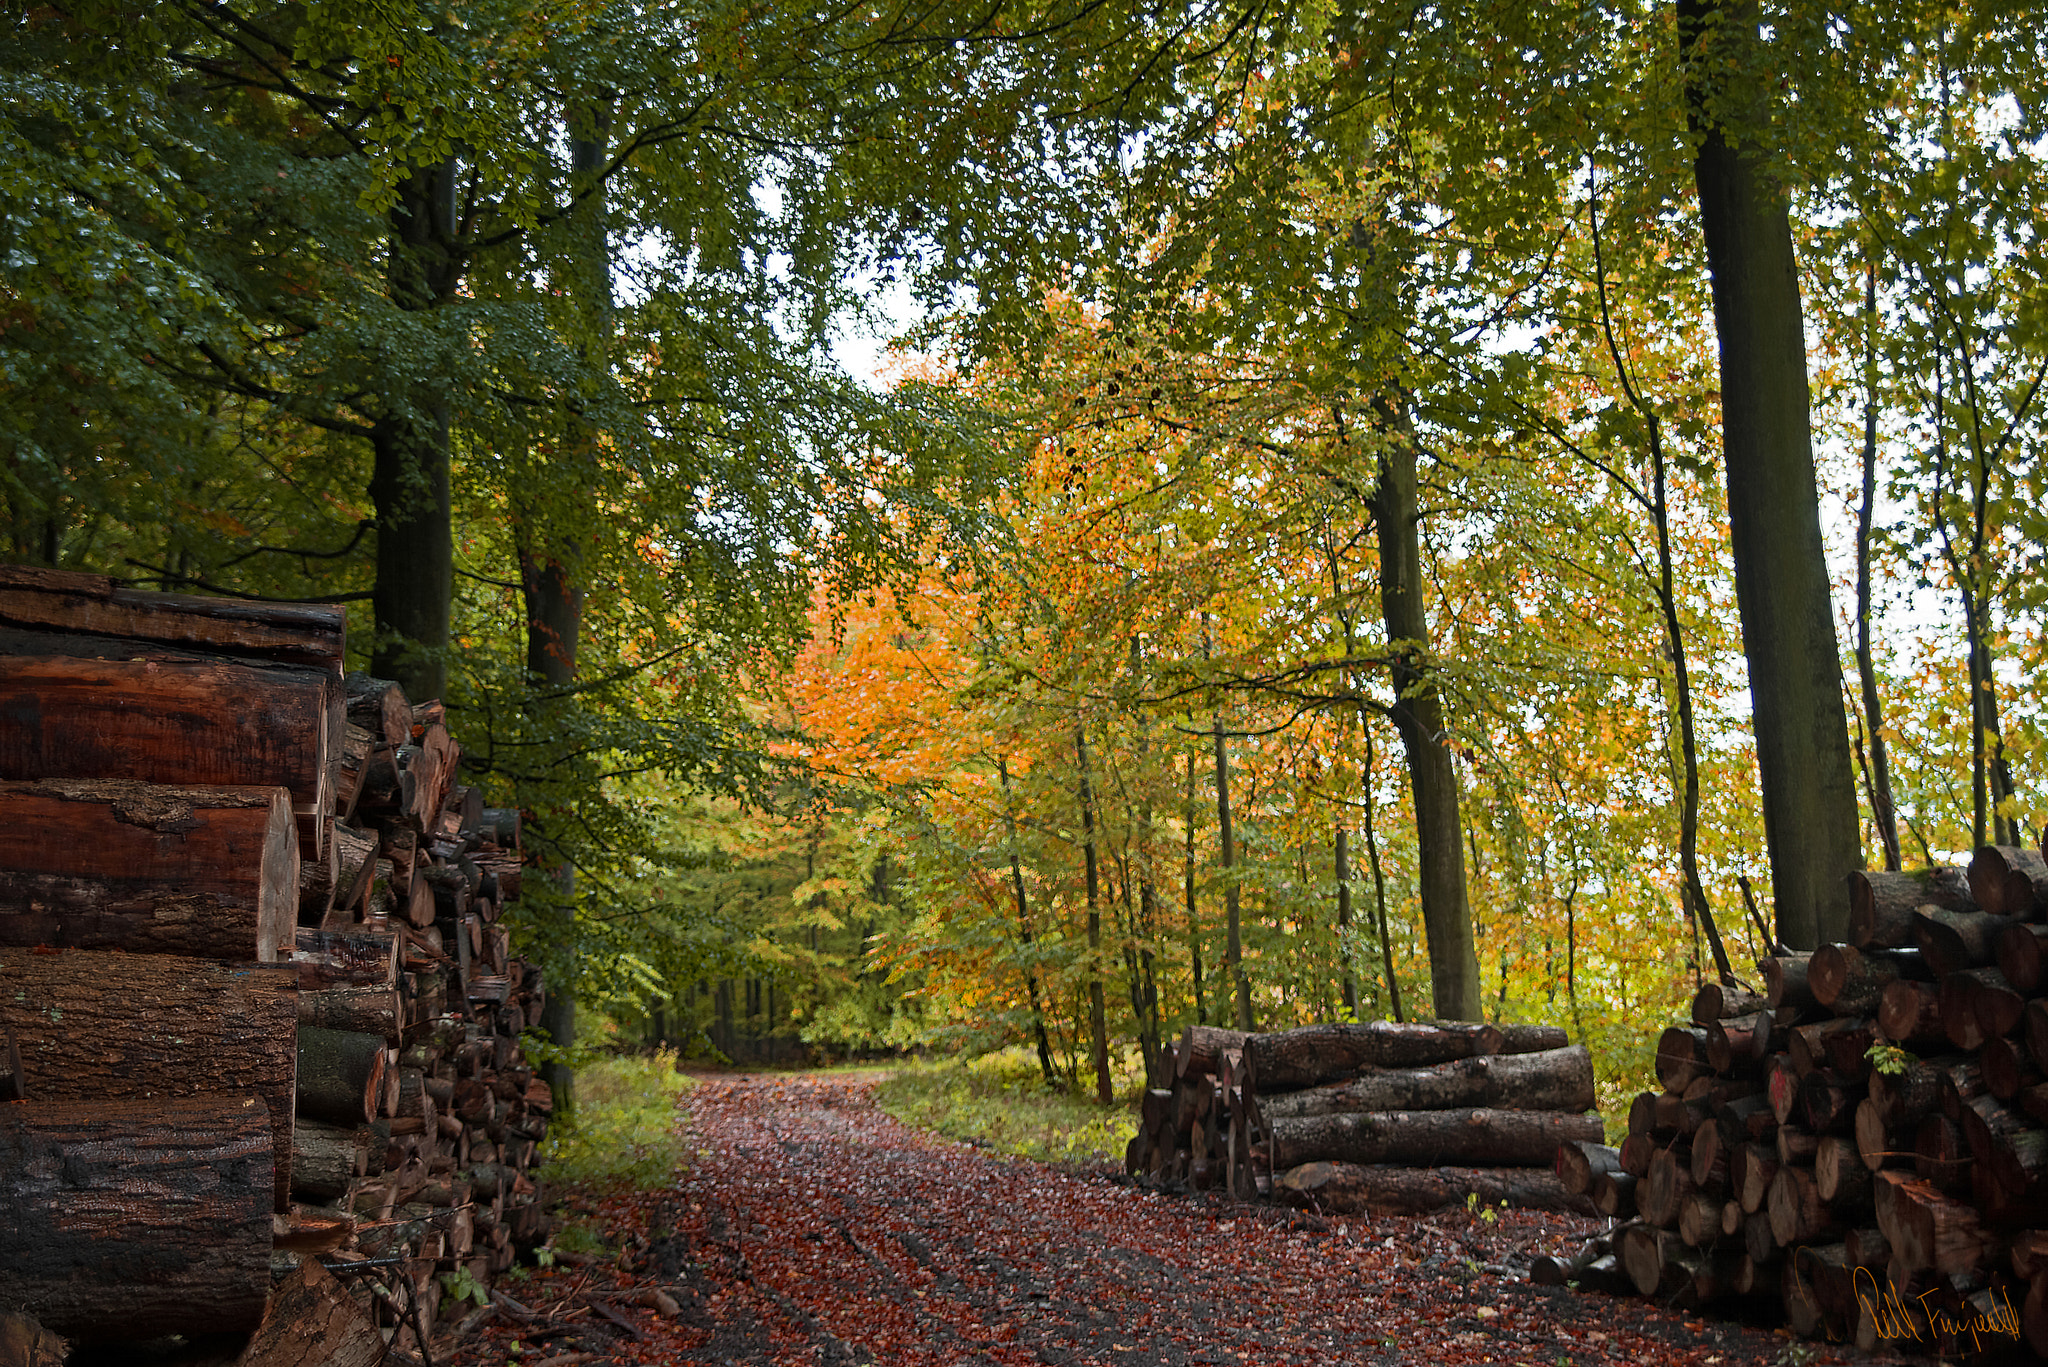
point(1699, 1220)
point(1797, 1144)
point(1579, 1161)
point(1828, 1101)
point(1781, 1087)
point(1310, 1054)
point(1839, 1172)
point(1713, 1002)
point(1479, 1137)
point(1959, 1008)
point(1713, 1144)
point(1940, 1154)
point(114, 864)
point(1785, 978)
point(365, 1010)
point(1643, 1118)
point(307, 634)
point(1909, 1013)
point(2006, 1067)
point(133, 1219)
point(1404, 1190)
point(1202, 1046)
point(2009, 880)
point(2021, 951)
point(131, 1026)
point(1614, 1194)
point(1951, 941)
point(1877, 1143)
point(1554, 1080)
point(1798, 1214)
point(1663, 1193)
point(170, 720)
point(1998, 1007)
point(1881, 904)
point(345, 958)
point(1849, 981)
point(1751, 1169)
point(313, 1322)
point(1738, 1043)
point(1926, 1229)
point(1636, 1152)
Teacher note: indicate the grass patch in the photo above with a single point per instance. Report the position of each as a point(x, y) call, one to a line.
point(624, 1131)
point(1000, 1101)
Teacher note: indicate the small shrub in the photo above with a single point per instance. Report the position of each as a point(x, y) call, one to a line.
point(1001, 1102)
point(625, 1131)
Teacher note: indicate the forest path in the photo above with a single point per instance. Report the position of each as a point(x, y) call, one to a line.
point(812, 1228)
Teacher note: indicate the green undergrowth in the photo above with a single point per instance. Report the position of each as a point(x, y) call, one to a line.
point(624, 1131)
point(1000, 1101)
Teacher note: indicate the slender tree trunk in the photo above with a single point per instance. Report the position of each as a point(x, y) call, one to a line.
point(1233, 942)
point(1879, 778)
point(1781, 579)
point(1379, 881)
point(1188, 891)
point(1346, 976)
point(1418, 714)
point(1024, 936)
point(1098, 1012)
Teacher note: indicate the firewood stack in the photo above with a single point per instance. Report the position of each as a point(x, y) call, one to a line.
point(1385, 1115)
point(1862, 1144)
point(255, 1000)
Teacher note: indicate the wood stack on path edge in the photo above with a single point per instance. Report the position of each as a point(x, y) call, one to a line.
point(259, 1017)
point(1390, 1116)
point(1860, 1148)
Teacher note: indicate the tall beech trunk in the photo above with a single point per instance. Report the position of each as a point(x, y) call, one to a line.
point(1379, 881)
point(1188, 891)
point(1098, 1012)
point(414, 588)
point(1781, 578)
point(1349, 978)
point(1418, 714)
point(1237, 984)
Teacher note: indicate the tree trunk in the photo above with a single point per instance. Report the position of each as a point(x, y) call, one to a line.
point(1024, 937)
point(1352, 1188)
point(1781, 576)
point(1883, 811)
point(313, 1322)
point(1379, 879)
point(1098, 1015)
point(1188, 870)
point(1233, 941)
point(1349, 978)
point(1486, 1138)
point(92, 1025)
point(1555, 1080)
point(1418, 714)
point(133, 1219)
point(113, 864)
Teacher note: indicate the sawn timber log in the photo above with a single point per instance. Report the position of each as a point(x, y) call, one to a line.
point(1312, 1054)
point(135, 1219)
point(94, 1026)
point(114, 864)
point(1554, 1080)
point(1480, 1138)
point(308, 634)
point(1343, 1188)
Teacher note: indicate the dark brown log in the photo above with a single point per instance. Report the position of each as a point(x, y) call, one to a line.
point(1827, 1270)
point(1636, 1152)
point(1713, 1002)
point(1751, 1169)
point(1785, 982)
point(1940, 1154)
point(1798, 1215)
point(1532, 1039)
point(1909, 1014)
point(1713, 1145)
point(1753, 1278)
point(341, 1075)
point(1580, 1161)
point(1837, 1045)
point(1839, 1173)
point(1548, 1270)
point(307, 634)
point(1951, 941)
point(183, 722)
point(2020, 951)
point(379, 707)
point(364, 1010)
point(350, 958)
point(1677, 1117)
point(325, 1159)
point(1757, 1240)
point(1664, 1192)
point(1699, 1220)
point(133, 1219)
point(1554, 1080)
point(1738, 1043)
point(1881, 905)
point(1797, 1145)
point(313, 1322)
point(1614, 1194)
point(1201, 1049)
point(1682, 1056)
point(92, 1025)
point(1781, 1089)
point(1349, 1187)
point(1312, 1054)
point(1653, 1258)
point(1643, 1119)
point(2009, 880)
point(1849, 981)
point(1914, 1091)
point(2006, 1068)
point(1959, 1008)
point(1828, 1100)
point(1998, 1007)
point(2004, 1145)
point(1750, 1116)
point(114, 864)
point(24, 1342)
point(1877, 1144)
point(1802, 1308)
point(1471, 1137)
point(1926, 1229)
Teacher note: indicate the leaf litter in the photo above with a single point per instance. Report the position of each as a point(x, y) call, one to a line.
point(811, 1228)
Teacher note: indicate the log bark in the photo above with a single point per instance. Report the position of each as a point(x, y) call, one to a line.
point(2020, 951)
point(307, 634)
point(1311, 1054)
point(1909, 1013)
point(1468, 1137)
point(365, 1010)
point(313, 1322)
point(1951, 941)
point(1555, 1080)
point(1849, 981)
point(132, 1219)
point(114, 864)
point(1798, 1215)
point(1396, 1189)
point(1926, 1230)
point(1881, 905)
point(340, 1075)
point(345, 958)
point(325, 1159)
point(1580, 1161)
point(1714, 1002)
point(1202, 1048)
point(139, 1026)
point(170, 720)
point(1785, 982)
point(24, 1342)
point(2009, 880)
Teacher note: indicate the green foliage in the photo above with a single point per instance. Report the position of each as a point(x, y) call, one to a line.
point(1000, 1102)
point(1888, 1058)
point(625, 1131)
point(461, 1285)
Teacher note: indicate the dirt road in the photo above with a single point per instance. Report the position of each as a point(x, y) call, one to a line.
point(814, 1229)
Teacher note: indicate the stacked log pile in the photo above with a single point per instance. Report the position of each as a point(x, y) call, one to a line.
point(256, 1004)
point(1862, 1144)
point(1385, 1115)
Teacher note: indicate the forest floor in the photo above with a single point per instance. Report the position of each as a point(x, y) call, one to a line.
point(810, 1228)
